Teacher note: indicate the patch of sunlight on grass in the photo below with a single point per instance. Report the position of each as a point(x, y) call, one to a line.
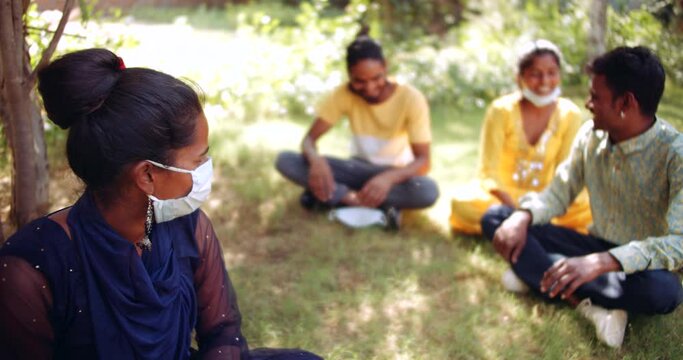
point(482, 263)
point(402, 307)
point(361, 315)
point(422, 255)
point(405, 298)
point(456, 157)
point(234, 258)
point(273, 135)
point(440, 212)
point(463, 131)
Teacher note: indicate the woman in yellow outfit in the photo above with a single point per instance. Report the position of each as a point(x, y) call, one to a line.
point(525, 136)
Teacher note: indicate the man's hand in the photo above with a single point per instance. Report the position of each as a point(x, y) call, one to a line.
point(375, 191)
point(504, 197)
point(320, 179)
point(510, 238)
point(566, 275)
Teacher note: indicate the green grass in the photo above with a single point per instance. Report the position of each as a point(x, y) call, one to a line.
point(423, 293)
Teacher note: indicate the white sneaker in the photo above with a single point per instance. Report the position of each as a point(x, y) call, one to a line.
point(610, 325)
point(513, 283)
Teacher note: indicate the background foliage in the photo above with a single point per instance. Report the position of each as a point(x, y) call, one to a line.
point(467, 59)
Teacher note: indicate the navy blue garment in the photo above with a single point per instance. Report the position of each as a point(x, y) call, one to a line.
point(107, 302)
point(88, 294)
point(645, 292)
point(141, 307)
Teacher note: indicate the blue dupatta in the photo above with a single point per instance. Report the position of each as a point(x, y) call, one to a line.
point(142, 307)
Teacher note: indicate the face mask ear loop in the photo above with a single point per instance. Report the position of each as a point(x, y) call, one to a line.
point(168, 167)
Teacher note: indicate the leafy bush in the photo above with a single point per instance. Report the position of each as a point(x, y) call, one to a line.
point(288, 57)
point(77, 35)
point(641, 27)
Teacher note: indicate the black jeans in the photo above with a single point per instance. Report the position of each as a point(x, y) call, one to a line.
point(646, 292)
point(415, 193)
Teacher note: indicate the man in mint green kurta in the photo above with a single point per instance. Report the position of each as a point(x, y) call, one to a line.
point(637, 194)
point(631, 162)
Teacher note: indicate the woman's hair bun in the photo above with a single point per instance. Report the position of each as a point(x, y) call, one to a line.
point(77, 84)
point(362, 48)
point(364, 31)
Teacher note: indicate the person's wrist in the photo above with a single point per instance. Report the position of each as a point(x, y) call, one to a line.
point(608, 263)
point(523, 217)
point(316, 160)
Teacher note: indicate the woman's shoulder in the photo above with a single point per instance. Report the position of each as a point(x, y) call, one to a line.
point(43, 243)
point(566, 106)
point(507, 102)
point(185, 233)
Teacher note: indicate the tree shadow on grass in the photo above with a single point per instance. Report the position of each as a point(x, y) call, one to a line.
point(419, 293)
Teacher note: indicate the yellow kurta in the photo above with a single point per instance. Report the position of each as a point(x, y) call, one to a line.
point(508, 162)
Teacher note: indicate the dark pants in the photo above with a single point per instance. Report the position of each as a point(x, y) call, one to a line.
point(415, 193)
point(647, 292)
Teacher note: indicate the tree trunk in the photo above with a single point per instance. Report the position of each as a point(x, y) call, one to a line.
point(598, 28)
point(42, 184)
point(21, 118)
point(679, 18)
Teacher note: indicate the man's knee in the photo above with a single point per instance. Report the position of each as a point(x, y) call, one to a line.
point(288, 162)
point(493, 217)
point(428, 192)
point(665, 294)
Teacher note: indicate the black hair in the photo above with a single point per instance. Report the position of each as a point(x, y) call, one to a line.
point(528, 60)
point(116, 116)
point(363, 48)
point(534, 49)
point(633, 69)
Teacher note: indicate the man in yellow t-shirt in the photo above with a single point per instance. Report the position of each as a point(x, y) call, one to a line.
point(390, 145)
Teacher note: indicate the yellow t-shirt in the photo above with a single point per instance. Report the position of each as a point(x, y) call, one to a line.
point(382, 133)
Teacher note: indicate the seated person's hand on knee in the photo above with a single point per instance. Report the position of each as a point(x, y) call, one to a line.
point(510, 238)
point(566, 275)
point(375, 191)
point(320, 179)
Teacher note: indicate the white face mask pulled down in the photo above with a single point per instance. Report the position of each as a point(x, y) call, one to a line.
point(541, 100)
point(169, 209)
point(359, 217)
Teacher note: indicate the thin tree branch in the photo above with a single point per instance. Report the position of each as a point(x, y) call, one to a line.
point(47, 54)
point(53, 31)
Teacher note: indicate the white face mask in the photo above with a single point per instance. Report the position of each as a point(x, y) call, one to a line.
point(358, 217)
point(169, 209)
point(541, 100)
